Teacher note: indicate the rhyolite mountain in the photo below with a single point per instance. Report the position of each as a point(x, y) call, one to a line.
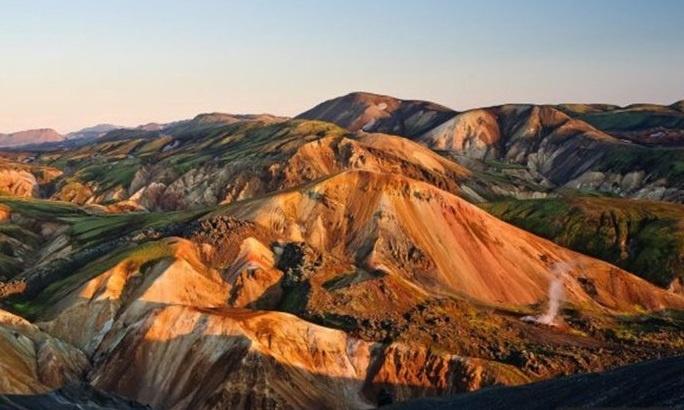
point(367, 252)
point(37, 136)
point(631, 151)
point(380, 113)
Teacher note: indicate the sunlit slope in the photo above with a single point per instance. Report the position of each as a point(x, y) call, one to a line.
point(350, 290)
point(438, 242)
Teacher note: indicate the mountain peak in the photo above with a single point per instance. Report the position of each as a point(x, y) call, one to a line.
point(363, 111)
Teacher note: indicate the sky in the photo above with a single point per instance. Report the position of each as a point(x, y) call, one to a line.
point(67, 64)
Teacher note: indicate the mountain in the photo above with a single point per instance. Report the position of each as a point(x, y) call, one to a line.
point(379, 113)
point(37, 136)
point(254, 261)
point(25, 179)
point(511, 132)
point(93, 132)
point(34, 365)
point(529, 150)
point(274, 300)
point(540, 145)
point(386, 230)
point(107, 132)
point(205, 122)
point(559, 151)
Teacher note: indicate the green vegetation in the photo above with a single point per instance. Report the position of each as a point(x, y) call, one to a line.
point(93, 245)
point(10, 230)
point(628, 120)
point(42, 210)
point(541, 216)
point(110, 174)
point(91, 230)
point(651, 327)
point(134, 257)
point(85, 228)
point(646, 238)
point(659, 162)
point(15, 243)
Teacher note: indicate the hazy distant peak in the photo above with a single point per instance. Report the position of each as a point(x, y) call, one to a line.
point(35, 136)
point(92, 132)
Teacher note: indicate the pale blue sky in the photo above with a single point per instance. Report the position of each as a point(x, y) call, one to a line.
point(69, 64)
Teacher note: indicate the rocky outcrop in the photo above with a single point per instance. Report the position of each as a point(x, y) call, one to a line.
point(405, 372)
point(254, 279)
point(164, 272)
point(635, 184)
point(22, 180)
point(475, 134)
point(18, 183)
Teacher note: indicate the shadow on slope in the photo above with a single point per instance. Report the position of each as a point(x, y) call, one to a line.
point(648, 384)
point(71, 397)
point(228, 358)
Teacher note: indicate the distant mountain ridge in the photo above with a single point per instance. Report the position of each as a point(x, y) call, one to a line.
point(93, 132)
point(26, 137)
point(49, 139)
